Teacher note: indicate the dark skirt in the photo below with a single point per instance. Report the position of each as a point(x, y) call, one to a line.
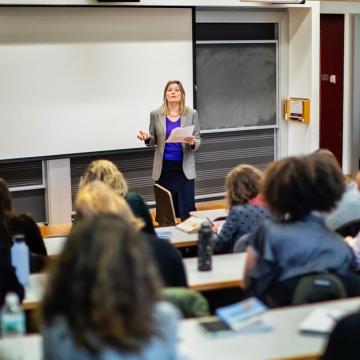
point(182, 189)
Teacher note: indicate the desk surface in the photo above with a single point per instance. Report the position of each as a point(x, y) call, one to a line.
point(54, 244)
point(34, 291)
point(283, 342)
point(227, 271)
point(177, 237)
point(211, 214)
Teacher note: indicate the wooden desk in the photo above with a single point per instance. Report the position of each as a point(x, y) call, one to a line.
point(54, 245)
point(283, 342)
point(55, 230)
point(177, 237)
point(34, 291)
point(227, 271)
point(211, 214)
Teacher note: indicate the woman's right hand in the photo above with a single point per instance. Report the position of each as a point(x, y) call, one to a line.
point(142, 135)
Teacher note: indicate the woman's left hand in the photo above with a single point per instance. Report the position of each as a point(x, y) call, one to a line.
point(190, 140)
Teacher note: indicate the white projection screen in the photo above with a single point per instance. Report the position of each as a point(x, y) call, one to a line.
point(84, 79)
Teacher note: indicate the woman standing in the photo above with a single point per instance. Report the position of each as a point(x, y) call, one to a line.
point(174, 163)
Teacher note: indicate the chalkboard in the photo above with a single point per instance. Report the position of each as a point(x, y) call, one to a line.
point(236, 85)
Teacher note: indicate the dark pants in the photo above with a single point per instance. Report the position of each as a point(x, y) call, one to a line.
point(182, 189)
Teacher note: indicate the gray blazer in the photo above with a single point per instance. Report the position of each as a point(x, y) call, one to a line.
point(157, 131)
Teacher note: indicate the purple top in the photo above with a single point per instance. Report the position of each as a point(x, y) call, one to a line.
point(172, 151)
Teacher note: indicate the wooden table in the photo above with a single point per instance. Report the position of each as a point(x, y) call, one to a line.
point(55, 230)
point(177, 237)
point(54, 245)
point(227, 272)
point(283, 341)
point(34, 291)
point(211, 214)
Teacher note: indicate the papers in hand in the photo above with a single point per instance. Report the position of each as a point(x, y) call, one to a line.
point(179, 134)
point(243, 316)
point(321, 321)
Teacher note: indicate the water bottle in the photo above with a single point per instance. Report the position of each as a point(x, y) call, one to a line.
point(20, 259)
point(12, 317)
point(205, 247)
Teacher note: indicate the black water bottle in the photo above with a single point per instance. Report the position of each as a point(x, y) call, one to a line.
point(205, 247)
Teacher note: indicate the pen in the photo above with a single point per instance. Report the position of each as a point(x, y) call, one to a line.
point(211, 223)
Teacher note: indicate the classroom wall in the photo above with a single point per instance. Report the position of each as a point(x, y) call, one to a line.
point(299, 67)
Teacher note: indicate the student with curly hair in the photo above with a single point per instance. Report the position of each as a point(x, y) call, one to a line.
point(297, 242)
point(107, 172)
point(242, 187)
point(103, 298)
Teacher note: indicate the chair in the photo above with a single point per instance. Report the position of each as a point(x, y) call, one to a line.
point(318, 287)
point(190, 302)
point(241, 243)
point(307, 289)
point(165, 212)
point(349, 229)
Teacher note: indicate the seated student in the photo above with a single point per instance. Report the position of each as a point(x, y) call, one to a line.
point(297, 242)
point(103, 298)
point(343, 342)
point(348, 207)
point(97, 198)
point(23, 224)
point(8, 279)
point(242, 187)
point(106, 171)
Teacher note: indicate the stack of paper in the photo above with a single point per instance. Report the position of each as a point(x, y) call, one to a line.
point(321, 321)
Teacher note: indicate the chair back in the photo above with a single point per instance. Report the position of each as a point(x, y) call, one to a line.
point(318, 287)
point(165, 212)
point(190, 302)
point(349, 229)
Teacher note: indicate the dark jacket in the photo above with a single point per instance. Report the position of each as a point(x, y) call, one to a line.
point(343, 342)
point(24, 224)
point(169, 262)
point(140, 210)
point(8, 279)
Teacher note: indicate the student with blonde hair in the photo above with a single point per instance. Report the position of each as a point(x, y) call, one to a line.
point(107, 172)
point(242, 186)
point(98, 198)
point(103, 298)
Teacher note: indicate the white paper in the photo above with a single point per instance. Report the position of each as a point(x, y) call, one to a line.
point(296, 108)
point(321, 320)
point(179, 134)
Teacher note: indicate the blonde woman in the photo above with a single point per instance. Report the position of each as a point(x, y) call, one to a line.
point(107, 172)
point(174, 163)
point(242, 186)
point(97, 198)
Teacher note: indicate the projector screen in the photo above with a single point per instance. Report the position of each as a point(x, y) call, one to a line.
point(76, 80)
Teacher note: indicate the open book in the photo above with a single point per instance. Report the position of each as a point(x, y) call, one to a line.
point(190, 225)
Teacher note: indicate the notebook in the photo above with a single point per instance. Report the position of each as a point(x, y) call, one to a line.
point(321, 321)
